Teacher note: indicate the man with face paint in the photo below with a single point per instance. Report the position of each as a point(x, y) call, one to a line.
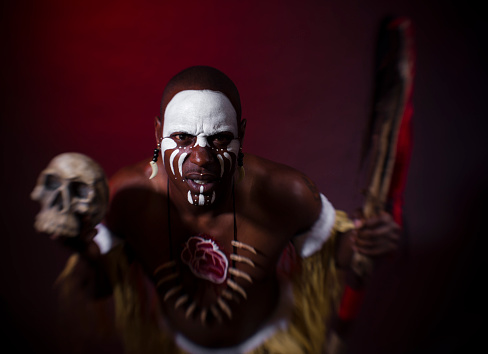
point(238, 262)
point(200, 140)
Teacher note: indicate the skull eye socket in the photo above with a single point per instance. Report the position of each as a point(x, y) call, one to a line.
point(52, 182)
point(79, 189)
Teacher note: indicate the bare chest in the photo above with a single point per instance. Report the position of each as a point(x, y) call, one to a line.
point(216, 284)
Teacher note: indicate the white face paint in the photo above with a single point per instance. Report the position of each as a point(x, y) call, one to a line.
point(201, 115)
point(222, 164)
point(172, 158)
point(180, 163)
point(167, 144)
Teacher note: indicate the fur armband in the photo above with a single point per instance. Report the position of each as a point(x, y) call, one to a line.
point(105, 239)
point(329, 222)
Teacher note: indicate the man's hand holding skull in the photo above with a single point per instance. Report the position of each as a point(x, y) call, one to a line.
point(73, 193)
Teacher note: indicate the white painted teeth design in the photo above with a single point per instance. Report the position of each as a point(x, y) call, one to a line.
point(239, 258)
point(221, 160)
point(172, 292)
point(227, 294)
point(201, 199)
point(180, 162)
point(190, 199)
point(224, 307)
point(243, 246)
point(216, 313)
point(203, 316)
point(181, 300)
point(213, 197)
point(229, 157)
point(168, 278)
point(201, 190)
point(166, 144)
point(240, 274)
point(236, 287)
point(171, 159)
point(234, 146)
point(164, 266)
point(190, 309)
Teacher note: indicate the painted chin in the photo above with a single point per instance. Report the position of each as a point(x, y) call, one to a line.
point(201, 188)
point(201, 199)
point(201, 184)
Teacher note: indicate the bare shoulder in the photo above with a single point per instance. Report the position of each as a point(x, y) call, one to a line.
point(282, 192)
point(131, 176)
point(131, 193)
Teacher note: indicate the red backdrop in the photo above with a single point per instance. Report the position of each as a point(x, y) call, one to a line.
point(87, 76)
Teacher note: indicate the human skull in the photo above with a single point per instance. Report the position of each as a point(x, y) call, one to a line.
point(72, 188)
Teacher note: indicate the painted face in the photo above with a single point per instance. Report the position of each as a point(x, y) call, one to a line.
point(200, 143)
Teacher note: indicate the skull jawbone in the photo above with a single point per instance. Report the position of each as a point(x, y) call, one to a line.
point(51, 222)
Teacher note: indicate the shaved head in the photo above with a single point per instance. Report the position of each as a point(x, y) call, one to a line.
point(200, 132)
point(201, 78)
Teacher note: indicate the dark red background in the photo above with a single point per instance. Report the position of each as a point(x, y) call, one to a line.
point(87, 76)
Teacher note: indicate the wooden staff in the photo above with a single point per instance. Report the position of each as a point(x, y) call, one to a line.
point(388, 142)
point(386, 152)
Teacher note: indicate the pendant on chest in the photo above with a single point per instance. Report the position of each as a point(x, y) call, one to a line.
point(215, 274)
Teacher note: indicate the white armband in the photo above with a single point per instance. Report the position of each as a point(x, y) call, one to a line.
point(309, 242)
point(105, 239)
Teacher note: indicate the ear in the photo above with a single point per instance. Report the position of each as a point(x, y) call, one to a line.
point(158, 129)
point(242, 130)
